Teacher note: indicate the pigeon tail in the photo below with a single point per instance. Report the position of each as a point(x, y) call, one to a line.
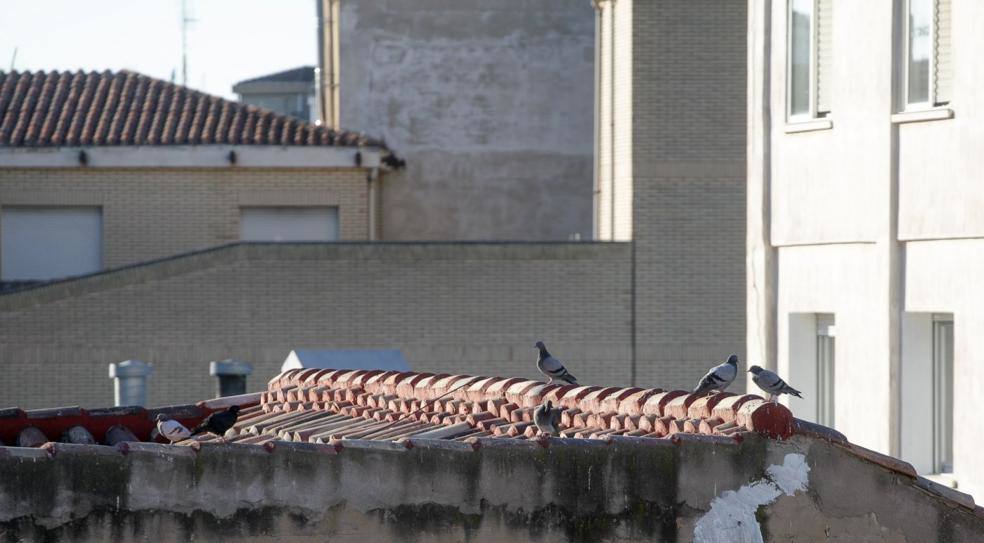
point(793, 391)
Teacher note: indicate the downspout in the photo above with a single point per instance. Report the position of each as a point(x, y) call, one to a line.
point(319, 72)
point(372, 181)
point(895, 259)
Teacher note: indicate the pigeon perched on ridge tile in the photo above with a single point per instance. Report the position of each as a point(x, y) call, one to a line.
point(218, 423)
point(171, 429)
point(551, 367)
point(547, 419)
point(771, 383)
point(719, 377)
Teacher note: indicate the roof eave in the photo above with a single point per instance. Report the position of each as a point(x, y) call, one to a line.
point(193, 156)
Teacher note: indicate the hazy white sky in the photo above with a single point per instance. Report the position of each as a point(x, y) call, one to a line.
point(229, 41)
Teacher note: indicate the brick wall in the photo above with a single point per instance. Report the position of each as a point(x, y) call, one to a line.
point(153, 213)
point(671, 176)
point(467, 308)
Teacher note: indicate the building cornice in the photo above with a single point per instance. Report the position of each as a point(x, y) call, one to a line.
point(192, 156)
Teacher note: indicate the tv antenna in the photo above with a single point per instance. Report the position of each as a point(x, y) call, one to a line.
point(185, 21)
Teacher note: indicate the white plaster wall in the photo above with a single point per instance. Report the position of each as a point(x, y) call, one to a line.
point(831, 185)
point(491, 103)
point(842, 280)
point(940, 186)
point(945, 276)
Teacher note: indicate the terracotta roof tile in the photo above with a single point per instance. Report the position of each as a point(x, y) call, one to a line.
point(39, 109)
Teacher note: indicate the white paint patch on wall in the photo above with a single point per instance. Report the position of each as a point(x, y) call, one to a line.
point(732, 515)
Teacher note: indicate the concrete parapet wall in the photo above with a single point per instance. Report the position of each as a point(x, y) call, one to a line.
point(570, 490)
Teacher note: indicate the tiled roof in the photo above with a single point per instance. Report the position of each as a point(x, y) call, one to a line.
point(324, 406)
point(334, 410)
point(54, 109)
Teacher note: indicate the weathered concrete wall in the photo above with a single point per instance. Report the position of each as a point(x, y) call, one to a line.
point(491, 104)
point(572, 490)
point(450, 307)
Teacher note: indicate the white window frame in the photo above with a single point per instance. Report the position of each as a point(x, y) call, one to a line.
point(826, 367)
point(811, 113)
point(943, 375)
point(932, 101)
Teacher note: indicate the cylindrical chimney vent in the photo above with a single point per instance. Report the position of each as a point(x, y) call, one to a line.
point(232, 376)
point(130, 381)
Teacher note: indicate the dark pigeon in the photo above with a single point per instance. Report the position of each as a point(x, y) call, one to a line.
point(218, 423)
point(547, 419)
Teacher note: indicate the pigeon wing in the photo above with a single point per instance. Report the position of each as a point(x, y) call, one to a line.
point(551, 366)
point(173, 430)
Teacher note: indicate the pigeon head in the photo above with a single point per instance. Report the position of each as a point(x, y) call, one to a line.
point(541, 346)
point(234, 409)
point(755, 369)
point(161, 417)
point(549, 405)
point(733, 360)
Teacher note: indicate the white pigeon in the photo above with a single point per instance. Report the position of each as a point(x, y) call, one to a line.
point(551, 367)
point(771, 383)
point(171, 429)
point(719, 377)
point(547, 419)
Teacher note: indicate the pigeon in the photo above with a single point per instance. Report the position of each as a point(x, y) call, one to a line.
point(719, 377)
point(551, 367)
point(547, 419)
point(218, 423)
point(171, 429)
point(771, 383)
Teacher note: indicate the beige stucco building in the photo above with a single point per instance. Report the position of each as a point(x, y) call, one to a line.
point(864, 221)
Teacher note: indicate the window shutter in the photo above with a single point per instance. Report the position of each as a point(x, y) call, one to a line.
point(825, 51)
point(943, 73)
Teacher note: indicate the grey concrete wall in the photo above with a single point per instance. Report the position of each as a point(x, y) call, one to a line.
point(491, 104)
point(473, 308)
point(572, 490)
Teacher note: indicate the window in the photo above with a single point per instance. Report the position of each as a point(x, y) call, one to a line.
point(825, 370)
point(927, 392)
point(288, 223)
point(926, 67)
point(810, 51)
point(811, 366)
point(43, 243)
point(943, 393)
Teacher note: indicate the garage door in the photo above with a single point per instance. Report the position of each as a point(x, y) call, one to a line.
point(38, 243)
point(288, 223)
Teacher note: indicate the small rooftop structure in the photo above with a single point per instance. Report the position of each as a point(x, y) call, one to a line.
point(349, 359)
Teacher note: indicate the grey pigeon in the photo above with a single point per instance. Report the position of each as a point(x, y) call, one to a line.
point(771, 383)
point(547, 419)
point(719, 377)
point(218, 423)
point(551, 367)
point(171, 429)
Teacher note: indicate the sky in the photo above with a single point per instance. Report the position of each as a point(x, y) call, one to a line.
point(229, 40)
